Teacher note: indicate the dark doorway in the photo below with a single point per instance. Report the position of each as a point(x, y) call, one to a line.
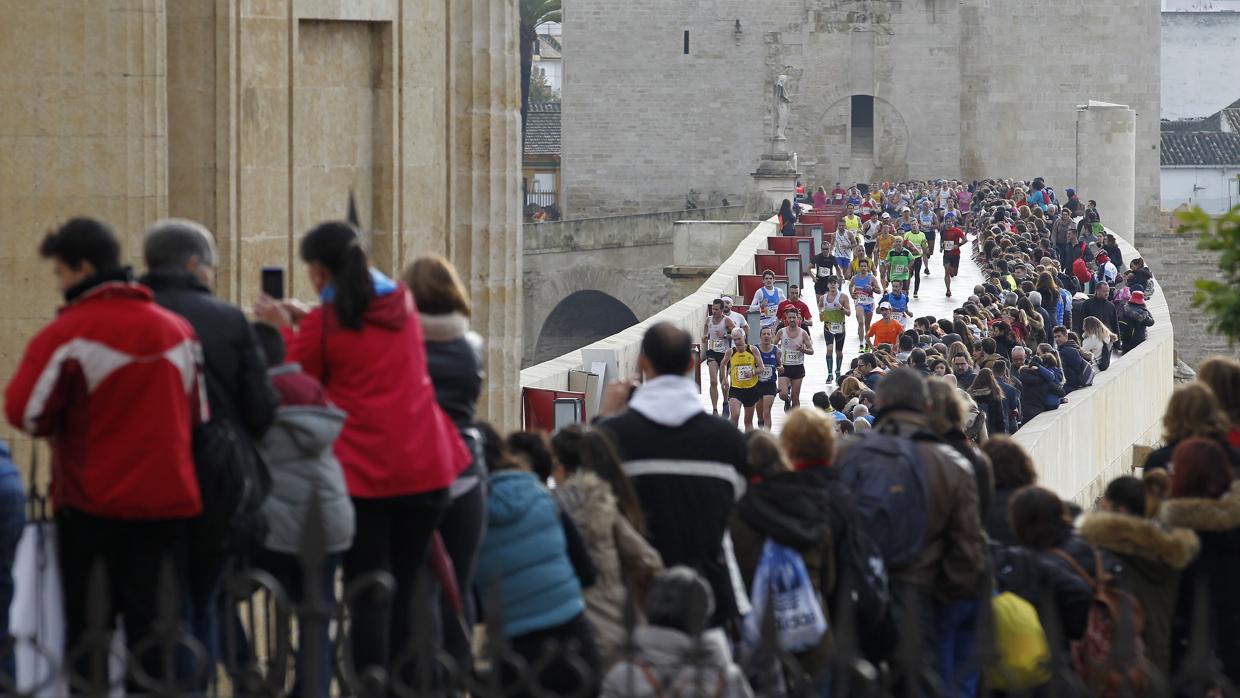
point(862, 123)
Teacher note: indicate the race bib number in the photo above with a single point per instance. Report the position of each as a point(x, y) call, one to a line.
point(718, 346)
point(768, 311)
point(793, 356)
point(899, 269)
point(837, 328)
point(744, 373)
point(768, 372)
point(949, 245)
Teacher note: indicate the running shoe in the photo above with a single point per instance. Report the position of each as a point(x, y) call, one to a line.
point(725, 410)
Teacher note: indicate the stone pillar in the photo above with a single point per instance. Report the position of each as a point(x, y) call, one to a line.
point(773, 188)
point(83, 131)
point(1106, 156)
point(484, 204)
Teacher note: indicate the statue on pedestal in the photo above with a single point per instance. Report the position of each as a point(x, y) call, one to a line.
point(782, 103)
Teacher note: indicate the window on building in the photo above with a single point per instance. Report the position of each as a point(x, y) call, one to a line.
point(686, 42)
point(862, 126)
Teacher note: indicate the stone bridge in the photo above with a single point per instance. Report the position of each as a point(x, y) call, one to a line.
point(590, 278)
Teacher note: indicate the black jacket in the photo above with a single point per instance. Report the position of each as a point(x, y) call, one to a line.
point(1132, 323)
point(236, 371)
point(687, 477)
point(1161, 457)
point(1034, 389)
point(998, 529)
point(1215, 571)
point(454, 362)
point(1047, 586)
point(1073, 366)
point(1096, 307)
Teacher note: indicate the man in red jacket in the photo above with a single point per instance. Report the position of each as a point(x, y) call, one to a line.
point(113, 383)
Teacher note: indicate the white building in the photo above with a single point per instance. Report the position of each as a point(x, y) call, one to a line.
point(1201, 161)
point(548, 59)
point(1200, 47)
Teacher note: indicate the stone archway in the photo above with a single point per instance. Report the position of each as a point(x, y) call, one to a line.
point(831, 147)
point(580, 319)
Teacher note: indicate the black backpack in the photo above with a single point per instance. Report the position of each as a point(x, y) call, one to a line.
point(233, 481)
point(888, 484)
point(865, 588)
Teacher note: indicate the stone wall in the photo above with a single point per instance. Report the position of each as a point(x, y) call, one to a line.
point(258, 119)
point(1178, 264)
point(621, 256)
point(968, 88)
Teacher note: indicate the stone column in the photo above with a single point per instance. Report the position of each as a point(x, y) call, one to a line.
point(484, 204)
point(83, 131)
point(1106, 156)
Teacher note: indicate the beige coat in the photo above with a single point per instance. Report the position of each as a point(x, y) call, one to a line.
point(619, 552)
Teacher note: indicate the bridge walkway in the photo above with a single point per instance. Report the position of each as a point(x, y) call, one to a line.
point(932, 301)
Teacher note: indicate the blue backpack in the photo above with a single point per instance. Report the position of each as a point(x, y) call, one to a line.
point(889, 490)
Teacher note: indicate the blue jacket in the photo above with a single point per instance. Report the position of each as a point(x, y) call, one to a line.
point(525, 552)
point(1013, 403)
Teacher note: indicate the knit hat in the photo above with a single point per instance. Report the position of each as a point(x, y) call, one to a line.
point(1103, 258)
point(1138, 298)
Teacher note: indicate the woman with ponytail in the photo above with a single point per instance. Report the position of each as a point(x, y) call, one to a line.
point(399, 450)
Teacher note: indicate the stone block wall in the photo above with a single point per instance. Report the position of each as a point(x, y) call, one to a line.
point(1177, 264)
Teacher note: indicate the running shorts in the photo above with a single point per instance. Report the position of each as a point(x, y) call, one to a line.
point(715, 356)
point(768, 388)
point(746, 396)
point(794, 371)
point(836, 337)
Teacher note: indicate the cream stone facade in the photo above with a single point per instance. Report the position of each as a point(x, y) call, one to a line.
point(663, 99)
point(258, 117)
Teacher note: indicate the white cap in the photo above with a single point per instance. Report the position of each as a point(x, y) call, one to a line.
point(727, 299)
point(884, 304)
point(886, 215)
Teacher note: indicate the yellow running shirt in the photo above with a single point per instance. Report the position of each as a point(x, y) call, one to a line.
point(743, 368)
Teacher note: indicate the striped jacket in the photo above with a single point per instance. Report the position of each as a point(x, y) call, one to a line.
point(114, 383)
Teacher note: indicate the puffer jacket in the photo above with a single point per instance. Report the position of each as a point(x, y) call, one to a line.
point(524, 552)
point(298, 452)
point(663, 658)
point(1153, 556)
point(805, 511)
point(1133, 321)
point(619, 553)
point(454, 361)
point(1215, 571)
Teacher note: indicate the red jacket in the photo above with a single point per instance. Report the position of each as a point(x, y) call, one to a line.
point(396, 440)
point(799, 305)
point(113, 382)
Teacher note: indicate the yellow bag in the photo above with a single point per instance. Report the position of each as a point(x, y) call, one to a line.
point(1024, 658)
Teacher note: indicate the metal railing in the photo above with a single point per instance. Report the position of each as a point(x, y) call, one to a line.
point(259, 659)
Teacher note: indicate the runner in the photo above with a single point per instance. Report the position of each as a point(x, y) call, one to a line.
point(768, 383)
point(744, 369)
point(900, 261)
point(851, 222)
point(842, 250)
point(916, 240)
point(835, 306)
point(898, 300)
point(715, 335)
point(929, 221)
point(864, 287)
point(886, 240)
point(738, 319)
point(767, 299)
point(953, 240)
point(794, 301)
point(794, 343)
point(885, 330)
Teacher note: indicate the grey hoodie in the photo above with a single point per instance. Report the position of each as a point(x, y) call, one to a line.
point(298, 451)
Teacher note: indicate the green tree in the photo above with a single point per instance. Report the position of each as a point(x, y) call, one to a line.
point(1220, 299)
point(534, 14)
point(540, 90)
